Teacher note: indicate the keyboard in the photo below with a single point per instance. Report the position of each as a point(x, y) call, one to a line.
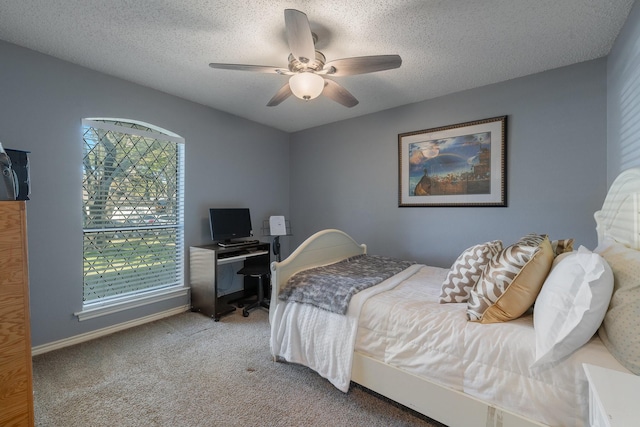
point(236, 244)
point(224, 255)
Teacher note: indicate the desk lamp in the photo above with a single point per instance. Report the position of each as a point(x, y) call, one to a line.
point(277, 228)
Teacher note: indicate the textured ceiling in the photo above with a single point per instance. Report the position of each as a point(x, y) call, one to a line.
point(446, 45)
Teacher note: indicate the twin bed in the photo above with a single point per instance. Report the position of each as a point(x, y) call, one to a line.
point(399, 340)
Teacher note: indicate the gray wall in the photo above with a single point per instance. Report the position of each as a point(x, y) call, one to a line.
point(229, 162)
point(623, 98)
point(344, 175)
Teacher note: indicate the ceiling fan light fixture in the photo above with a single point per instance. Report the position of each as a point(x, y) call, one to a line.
point(307, 66)
point(306, 85)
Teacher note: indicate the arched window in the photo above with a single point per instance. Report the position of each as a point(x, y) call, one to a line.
point(132, 199)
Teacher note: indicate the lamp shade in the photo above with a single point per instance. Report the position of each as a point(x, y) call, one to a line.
point(277, 226)
point(306, 85)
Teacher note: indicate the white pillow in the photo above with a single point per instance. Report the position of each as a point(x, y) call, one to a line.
point(571, 305)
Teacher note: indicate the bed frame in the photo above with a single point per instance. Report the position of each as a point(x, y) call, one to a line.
point(619, 219)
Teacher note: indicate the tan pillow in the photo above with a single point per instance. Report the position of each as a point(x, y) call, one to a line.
point(562, 246)
point(511, 281)
point(559, 258)
point(466, 270)
point(532, 239)
point(619, 331)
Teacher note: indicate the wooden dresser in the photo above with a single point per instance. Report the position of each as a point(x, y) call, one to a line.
point(16, 389)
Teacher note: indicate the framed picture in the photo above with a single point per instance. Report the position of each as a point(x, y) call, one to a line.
point(456, 165)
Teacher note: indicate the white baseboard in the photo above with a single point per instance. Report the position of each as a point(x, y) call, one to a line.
point(77, 339)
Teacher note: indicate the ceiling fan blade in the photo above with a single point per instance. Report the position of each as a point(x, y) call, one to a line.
point(339, 94)
point(254, 68)
point(362, 65)
point(281, 95)
point(299, 35)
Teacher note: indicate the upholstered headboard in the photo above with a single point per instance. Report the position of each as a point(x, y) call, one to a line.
point(619, 220)
point(619, 217)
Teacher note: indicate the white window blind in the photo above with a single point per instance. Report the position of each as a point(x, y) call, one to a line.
point(133, 195)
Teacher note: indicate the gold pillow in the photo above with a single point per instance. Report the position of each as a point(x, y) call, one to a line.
point(562, 246)
point(510, 283)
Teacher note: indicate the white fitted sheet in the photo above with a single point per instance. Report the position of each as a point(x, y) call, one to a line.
point(407, 328)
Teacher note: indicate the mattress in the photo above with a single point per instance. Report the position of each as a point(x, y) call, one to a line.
point(407, 328)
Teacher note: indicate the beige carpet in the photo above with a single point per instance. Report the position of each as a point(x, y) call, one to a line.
point(188, 370)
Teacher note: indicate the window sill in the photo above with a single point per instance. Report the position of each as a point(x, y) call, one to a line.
point(91, 311)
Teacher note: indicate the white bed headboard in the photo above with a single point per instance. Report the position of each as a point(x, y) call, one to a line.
point(322, 248)
point(619, 217)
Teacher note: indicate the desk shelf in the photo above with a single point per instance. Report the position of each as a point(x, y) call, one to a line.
point(203, 266)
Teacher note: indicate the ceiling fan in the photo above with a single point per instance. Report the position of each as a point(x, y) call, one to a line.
point(308, 67)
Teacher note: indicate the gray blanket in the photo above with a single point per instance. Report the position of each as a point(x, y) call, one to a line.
point(331, 287)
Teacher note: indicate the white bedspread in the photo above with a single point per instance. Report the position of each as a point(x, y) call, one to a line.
point(401, 323)
point(320, 339)
point(408, 328)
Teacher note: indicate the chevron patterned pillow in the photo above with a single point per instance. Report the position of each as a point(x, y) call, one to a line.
point(466, 271)
point(511, 281)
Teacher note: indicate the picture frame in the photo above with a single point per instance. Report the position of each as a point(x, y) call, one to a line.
point(456, 165)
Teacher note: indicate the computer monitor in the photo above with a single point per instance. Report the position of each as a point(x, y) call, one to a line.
point(228, 224)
